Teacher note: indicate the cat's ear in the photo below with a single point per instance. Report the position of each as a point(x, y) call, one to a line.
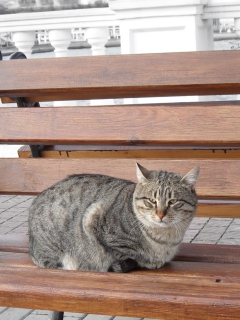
point(191, 177)
point(142, 173)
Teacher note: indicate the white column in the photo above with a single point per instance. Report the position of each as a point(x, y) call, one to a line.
point(24, 41)
point(237, 26)
point(60, 39)
point(163, 26)
point(97, 38)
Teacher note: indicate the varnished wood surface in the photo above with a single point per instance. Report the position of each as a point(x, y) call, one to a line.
point(132, 152)
point(131, 295)
point(166, 74)
point(212, 266)
point(197, 125)
point(14, 243)
point(215, 209)
point(209, 253)
point(15, 259)
point(217, 179)
point(188, 252)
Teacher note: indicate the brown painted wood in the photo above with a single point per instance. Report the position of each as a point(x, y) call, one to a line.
point(132, 125)
point(14, 243)
point(7, 100)
point(15, 259)
point(216, 271)
point(188, 252)
point(90, 292)
point(227, 272)
point(132, 152)
point(166, 74)
point(208, 253)
point(218, 179)
point(211, 266)
point(215, 209)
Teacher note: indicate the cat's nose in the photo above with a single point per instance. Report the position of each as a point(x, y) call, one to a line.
point(161, 212)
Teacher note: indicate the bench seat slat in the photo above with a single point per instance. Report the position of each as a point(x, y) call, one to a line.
point(184, 125)
point(227, 272)
point(218, 179)
point(14, 243)
point(193, 252)
point(131, 295)
point(121, 76)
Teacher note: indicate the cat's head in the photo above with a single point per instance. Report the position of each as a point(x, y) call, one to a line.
point(165, 199)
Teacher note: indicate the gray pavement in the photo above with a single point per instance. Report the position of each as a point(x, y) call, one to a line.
point(13, 220)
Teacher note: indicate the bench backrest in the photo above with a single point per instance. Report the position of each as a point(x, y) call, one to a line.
point(174, 137)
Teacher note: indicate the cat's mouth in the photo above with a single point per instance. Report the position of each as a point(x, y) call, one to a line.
point(163, 224)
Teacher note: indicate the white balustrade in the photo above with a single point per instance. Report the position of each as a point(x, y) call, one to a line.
point(97, 38)
point(163, 26)
point(60, 39)
point(237, 26)
point(24, 41)
point(146, 25)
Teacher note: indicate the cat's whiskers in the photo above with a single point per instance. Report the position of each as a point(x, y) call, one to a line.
point(180, 226)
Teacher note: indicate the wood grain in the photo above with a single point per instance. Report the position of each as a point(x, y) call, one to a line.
point(208, 253)
point(15, 259)
point(197, 125)
point(218, 178)
point(14, 243)
point(165, 74)
point(215, 209)
point(89, 292)
point(224, 269)
point(188, 252)
point(131, 152)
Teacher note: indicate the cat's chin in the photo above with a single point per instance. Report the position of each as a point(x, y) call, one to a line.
point(159, 224)
point(163, 224)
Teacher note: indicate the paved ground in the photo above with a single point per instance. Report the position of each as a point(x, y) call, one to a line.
point(13, 219)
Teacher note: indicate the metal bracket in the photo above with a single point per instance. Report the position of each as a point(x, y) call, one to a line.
point(56, 315)
point(21, 103)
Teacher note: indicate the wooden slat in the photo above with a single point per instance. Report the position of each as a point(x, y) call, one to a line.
point(131, 295)
point(138, 125)
point(132, 152)
point(220, 268)
point(16, 259)
point(186, 73)
point(7, 100)
point(218, 178)
point(209, 253)
point(14, 243)
point(186, 261)
point(220, 272)
point(188, 252)
point(215, 209)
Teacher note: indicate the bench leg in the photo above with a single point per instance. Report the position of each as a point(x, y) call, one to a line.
point(56, 315)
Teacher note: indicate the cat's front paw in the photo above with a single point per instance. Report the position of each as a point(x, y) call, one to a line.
point(124, 266)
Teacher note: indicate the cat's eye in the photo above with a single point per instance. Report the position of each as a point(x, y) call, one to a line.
point(172, 201)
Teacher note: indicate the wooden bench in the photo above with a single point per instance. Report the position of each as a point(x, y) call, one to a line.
point(203, 281)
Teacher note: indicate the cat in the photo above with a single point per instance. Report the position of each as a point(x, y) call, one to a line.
point(101, 223)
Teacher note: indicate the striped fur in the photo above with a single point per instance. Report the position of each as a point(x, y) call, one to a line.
point(101, 223)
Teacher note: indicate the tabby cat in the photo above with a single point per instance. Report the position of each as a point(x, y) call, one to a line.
point(101, 223)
